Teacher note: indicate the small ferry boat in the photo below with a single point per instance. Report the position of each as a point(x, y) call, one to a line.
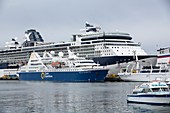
point(49, 67)
point(155, 92)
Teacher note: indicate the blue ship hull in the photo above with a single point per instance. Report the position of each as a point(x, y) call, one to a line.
point(66, 76)
point(110, 60)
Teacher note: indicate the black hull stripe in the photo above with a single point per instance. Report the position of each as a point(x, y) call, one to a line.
point(109, 60)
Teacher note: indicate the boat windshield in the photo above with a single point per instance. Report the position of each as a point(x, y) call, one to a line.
point(146, 90)
point(165, 89)
point(156, 89)
point(160, 89)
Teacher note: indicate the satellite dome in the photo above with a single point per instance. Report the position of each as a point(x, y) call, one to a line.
point(52, 52)
point(60, 54)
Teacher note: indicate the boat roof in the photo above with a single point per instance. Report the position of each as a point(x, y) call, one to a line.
point(154, 84)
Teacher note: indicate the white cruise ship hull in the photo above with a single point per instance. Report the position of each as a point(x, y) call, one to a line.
point(114, 68)
point(143, 77)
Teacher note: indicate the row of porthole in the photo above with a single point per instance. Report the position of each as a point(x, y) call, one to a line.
point(117, 47)
point(123, 47)
point(112, 54)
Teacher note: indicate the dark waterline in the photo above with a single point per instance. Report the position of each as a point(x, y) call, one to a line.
point(52, 97)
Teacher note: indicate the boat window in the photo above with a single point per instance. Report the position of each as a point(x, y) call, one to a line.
point(32, 70)
point(107, 37)
point(165, 89)
point(155, 89)
point(146, 90)
point(156, 67)
point(86, 62)
point(35, 64)
point(145, 71)
point(85, 42)
point(155, 70)
point(61, 45)
point(34, 60)
point(164, 70)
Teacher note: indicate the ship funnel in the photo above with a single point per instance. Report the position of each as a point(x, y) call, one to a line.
point(32, 37)
point(91, 28)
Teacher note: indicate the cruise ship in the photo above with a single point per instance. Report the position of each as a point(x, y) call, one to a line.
point(105, 48)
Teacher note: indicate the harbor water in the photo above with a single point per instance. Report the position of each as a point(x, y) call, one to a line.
point(52, 97)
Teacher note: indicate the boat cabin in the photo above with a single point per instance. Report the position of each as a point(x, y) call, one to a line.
point(153, 87)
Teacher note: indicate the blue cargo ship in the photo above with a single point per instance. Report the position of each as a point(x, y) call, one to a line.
point(61, 69)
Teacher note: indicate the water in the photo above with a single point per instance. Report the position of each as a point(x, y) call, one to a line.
point(52, 97)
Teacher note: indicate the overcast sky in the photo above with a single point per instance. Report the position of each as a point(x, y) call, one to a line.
point(148, 21)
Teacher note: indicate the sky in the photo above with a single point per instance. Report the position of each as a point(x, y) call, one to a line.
point(147, 21)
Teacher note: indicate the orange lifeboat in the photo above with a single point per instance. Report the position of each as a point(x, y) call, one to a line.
point(55, 64)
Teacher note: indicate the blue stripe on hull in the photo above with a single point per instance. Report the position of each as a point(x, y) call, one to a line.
point(167, 96)
point(151, 95)
point(76, 76)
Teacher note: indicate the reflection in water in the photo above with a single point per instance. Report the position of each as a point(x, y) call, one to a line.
point(51, 97)
point(150, 108)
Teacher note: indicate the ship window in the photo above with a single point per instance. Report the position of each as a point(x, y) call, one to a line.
point(164, 89)
point(34, 60)
point(36, 64)
point(164, 70)
point(155, 89)
point(155, 70)
point(107, 37)
point(146, 90)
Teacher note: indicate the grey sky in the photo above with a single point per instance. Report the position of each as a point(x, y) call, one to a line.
point(148, 21)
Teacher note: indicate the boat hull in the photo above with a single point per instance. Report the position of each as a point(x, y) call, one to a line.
point(143, 77)
point(110, 60)
point(150, 99)
point(115, 63)
point(65, 76)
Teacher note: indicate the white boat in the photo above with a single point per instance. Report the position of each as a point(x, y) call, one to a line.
point(138, 73)
point(155, 92)
point(147, 73)
point(61, 69)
